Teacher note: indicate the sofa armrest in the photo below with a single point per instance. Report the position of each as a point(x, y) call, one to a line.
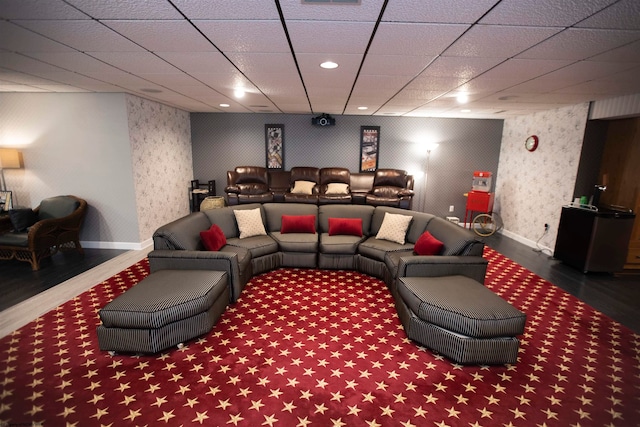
point(199, 260)
point(474, 267)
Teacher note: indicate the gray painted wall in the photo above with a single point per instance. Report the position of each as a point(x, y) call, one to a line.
point(74, 144)
point(222, 141)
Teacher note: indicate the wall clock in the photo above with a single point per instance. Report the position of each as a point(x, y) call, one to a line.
point(531, 143)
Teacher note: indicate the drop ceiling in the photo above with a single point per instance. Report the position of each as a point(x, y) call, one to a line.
point(395, 57)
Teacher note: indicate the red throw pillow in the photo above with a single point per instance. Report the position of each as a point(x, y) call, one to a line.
point(213, 239)
point(428, 245)
point(298, 224)
point(345, 226)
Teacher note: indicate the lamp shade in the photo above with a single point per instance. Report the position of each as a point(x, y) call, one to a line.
point(10, 158)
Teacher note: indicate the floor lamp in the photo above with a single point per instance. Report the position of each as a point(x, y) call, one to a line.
point(430, 147)
point(10, 158)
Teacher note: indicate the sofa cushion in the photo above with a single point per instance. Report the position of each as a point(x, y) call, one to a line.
point(57, 207)
point(249, 222)
point(303, 187)
point(257, 245)
point(345, 226)
point(21, 219)
point(337, 188)
point(378, 248)
point(213, 239)
point(298, 224)
point(274, 212)
point(296, 242)
point(339, 244)
point(394, 228)
point(428, 245)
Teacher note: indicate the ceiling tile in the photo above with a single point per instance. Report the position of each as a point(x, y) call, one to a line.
point(427, 39)
point(437, 11)
point(245, 36)
point(622, 15)
point(147, 9)
point(580, 43)
point(627, 53)
point(245, 9)
point(498, 41)
point(459, 67)
point(17, 39)
point(543, 13)
point(38, 9)
point(524, 69)
point(329, 37)
point(76, 61)
point(165, 36)
point(198, 62)
point(395, 65)
point(86, 35)
point(366, 11)
point(135, 62)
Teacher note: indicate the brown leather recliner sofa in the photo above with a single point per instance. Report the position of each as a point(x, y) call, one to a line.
point(331, 185)
point(248, 184)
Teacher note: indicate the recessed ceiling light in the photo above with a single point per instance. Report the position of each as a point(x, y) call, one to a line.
point(465, 111)
point(224, 105)
point(329, 65)
point(363, 108)
point(238, 92)
point(462, 98)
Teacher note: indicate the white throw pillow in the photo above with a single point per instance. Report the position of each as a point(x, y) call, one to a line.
point(394, 227)
point(303, 187)
point(249, 222)
point(337, 188)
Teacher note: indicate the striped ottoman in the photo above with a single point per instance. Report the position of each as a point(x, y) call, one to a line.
point(165, 309)
point(460, 318)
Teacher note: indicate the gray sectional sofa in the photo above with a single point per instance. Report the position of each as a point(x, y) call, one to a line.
point(178, 245)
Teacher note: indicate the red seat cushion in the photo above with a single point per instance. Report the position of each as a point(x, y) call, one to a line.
point(213, 239)
point(348, 226)
point(428, 245)
point(298, 224)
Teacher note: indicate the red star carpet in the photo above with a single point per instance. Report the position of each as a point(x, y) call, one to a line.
point(323, 348)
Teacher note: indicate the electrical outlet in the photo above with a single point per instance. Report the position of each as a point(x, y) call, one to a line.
point(451, 208)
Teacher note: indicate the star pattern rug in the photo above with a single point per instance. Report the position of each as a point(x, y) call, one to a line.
point(309, 347)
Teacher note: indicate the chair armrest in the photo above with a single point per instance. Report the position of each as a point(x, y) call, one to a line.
point(474, 267)
point(405, 193)
point(165, 259)
point(232, 189)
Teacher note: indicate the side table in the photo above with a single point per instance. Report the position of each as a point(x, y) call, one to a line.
point(199, 192)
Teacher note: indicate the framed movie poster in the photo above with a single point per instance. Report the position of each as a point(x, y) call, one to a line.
point(369, 147)
point(274, 139)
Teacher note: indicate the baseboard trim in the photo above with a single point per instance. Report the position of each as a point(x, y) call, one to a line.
point(524, 241)
point(129, 246)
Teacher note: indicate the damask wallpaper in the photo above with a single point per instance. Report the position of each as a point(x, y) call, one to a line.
point(160, 138)
point(532, 187)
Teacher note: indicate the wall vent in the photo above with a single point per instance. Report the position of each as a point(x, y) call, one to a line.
point(356, 2)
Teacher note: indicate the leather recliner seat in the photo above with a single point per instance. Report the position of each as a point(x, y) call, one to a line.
point(248, 184)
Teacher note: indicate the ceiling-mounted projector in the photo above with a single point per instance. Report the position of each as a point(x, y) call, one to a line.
point(323, 120)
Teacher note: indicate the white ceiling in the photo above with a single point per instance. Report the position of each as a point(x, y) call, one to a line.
point(396, 57)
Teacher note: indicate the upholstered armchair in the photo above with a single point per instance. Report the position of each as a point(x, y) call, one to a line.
point(391, 187)
point(334, 186)
point(34, 234)
point(248, 184)
point(304, 185)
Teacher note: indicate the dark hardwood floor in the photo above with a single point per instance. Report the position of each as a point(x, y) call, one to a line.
point(617, 296)
point(18, 282)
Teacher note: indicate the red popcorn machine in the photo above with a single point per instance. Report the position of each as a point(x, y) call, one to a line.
point(480, 200)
